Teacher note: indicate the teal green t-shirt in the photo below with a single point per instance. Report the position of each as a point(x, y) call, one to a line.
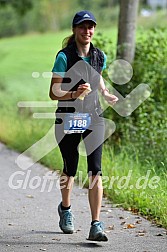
point(60, 64)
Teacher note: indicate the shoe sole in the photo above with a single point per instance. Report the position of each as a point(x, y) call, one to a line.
point(99, 237)
point(67, 232)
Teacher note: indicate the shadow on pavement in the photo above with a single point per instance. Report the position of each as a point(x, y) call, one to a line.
point(24, 243)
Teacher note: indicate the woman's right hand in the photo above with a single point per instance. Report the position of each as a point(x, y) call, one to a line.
point(82, 90)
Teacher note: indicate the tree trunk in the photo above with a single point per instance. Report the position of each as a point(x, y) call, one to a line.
point(126, 29)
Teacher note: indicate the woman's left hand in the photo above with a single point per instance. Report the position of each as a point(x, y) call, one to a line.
point(111, 99)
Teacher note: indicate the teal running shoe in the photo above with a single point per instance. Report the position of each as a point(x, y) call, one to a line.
point(97, 232)
point(66, 220)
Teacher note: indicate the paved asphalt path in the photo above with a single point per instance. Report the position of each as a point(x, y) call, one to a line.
point(29, 218)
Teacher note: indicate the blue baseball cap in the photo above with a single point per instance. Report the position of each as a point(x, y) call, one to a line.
point(82, 16)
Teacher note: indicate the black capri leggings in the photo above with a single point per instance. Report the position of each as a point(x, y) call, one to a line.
point(93, 140)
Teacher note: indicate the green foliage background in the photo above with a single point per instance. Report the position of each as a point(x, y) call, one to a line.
point(145, 131)
point(20, 17)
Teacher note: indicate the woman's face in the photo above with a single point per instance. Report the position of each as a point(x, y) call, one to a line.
point(84, 32)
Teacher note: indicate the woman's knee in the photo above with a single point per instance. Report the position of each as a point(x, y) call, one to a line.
point(69, 173)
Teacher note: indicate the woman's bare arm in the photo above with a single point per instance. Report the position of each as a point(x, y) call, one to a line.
point(56, 93)
point(110, 98)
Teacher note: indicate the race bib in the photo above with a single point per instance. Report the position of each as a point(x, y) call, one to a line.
point(76, 122)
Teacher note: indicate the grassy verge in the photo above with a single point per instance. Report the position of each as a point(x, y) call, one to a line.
point(123, 174)
point(136, 187)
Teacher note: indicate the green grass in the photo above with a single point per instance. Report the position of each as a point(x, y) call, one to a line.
point(20, 56)
point(142, 189)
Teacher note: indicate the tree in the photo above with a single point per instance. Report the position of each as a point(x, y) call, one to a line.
point(126, 29)
point(20, 6)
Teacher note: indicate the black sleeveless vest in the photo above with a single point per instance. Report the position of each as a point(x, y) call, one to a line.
point(78, 72)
